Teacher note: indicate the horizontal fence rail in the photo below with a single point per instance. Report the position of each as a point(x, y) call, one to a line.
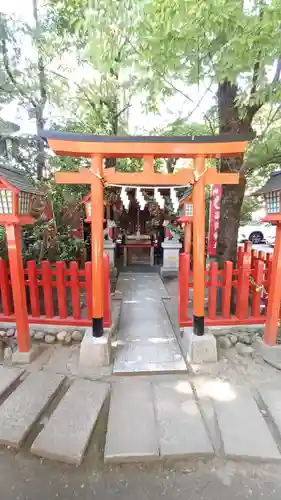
point(234, 295)
point(59, 294)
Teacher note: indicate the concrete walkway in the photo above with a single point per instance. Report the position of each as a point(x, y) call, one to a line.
point(146, 341)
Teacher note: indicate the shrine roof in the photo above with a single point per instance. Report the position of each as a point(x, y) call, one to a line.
point(71, 136)
point(17, 179)
point(74, 144)
point(273, 184)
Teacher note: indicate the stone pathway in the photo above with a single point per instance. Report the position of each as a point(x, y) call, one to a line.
point(157, 418)
point(146, 341)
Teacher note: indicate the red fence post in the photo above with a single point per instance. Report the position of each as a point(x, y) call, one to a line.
point(261, 255)
point(5, 288)
point(240, 253)
point(184, 270)
point(33, 288)
point(88, 278)
point(243, 284)
point(213, 274)
point(106, 288)
point(227, 287)
point(75, 290)
point(258, 276)
point(61, 289)
point(268, 259)
point(254, 256)
point(247, 246)
point(47, 288)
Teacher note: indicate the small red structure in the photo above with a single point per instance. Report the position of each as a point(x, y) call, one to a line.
point(272, 194)
point(16, 194)
point(214, 219)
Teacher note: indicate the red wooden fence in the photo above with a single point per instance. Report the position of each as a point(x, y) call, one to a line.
point(247, 283)
point(57, 294)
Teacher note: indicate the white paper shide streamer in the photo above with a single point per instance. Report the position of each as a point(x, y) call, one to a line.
point(174, 199)
point(140, 198)
point(124, 198)
point(159, 198)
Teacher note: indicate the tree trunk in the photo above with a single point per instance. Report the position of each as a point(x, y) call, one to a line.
point(40, 157)
point(40, 122)
point(231, 203)
point(232, 195)
point(170, 165)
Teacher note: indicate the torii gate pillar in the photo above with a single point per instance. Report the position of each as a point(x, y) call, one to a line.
point(199, 245)
point(97, 246)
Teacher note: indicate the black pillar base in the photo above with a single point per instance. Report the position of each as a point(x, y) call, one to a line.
point(97, 327)
point(198, 325)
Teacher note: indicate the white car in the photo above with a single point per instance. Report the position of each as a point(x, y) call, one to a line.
point(257, 232)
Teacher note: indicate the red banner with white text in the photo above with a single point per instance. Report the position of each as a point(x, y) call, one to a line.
point(214, 219)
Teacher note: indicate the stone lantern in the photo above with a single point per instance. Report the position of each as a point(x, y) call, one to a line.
point(16, 196)
point(186, 217)
point(108, 244)
point(271, 192)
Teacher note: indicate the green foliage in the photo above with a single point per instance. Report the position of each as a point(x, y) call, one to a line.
point(182, 126)
point(130, 164)
point(263, 156)
point(100, 35)
point(21, 45)
point(190, 41)
point(250, 205)
point(61, 245)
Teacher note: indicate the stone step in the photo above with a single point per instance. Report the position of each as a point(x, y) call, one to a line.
point(8, 376)
point(181, 429)
point(243, 429)
point(66, 435)
point(25, 405)
point(131, 431)
point(272, 400)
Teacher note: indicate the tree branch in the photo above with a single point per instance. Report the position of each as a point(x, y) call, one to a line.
point(252, 109)
point(123, 110)
point(276, 77)
point(174, 87)
point(271, 119)
point(11, 76)
point(209, 121)
point(88, 99)
point(198, 103)
point(40, 64)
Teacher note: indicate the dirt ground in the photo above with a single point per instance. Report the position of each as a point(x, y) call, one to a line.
point(27, 478)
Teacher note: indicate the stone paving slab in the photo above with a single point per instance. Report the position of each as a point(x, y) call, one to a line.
point(272, 400)
point(64, 360)
point(146, 340)
point(7, 377)
point(143, 353)
point(131, 431)
point(244, 431)
point(181, 429)
point(25, 405)
point(149, 367)
point(138, 323)
point(141, 284)
point(67, 433)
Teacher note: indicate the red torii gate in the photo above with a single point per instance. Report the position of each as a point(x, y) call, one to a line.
point(100, 147)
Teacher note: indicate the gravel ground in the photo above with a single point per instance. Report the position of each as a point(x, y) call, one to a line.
point(30, 479)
